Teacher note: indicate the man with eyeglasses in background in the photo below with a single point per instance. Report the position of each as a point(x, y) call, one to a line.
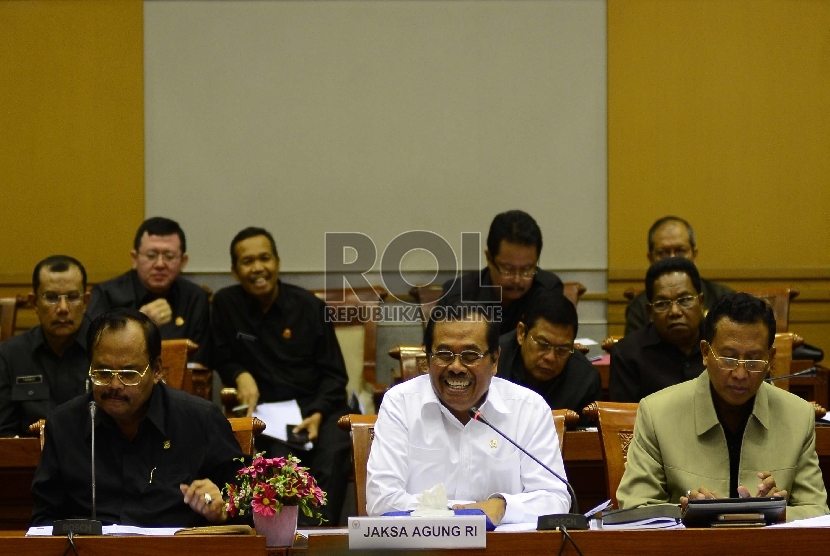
point(47, 365)
point(670, 236)
point(540, 355)
point(727, 433)
point(154, 286)
point(667, 350)
point(514, 245)
point(161, 455)
point(424, 434)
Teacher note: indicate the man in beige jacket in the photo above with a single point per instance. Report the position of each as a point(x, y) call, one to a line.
point(727, 433)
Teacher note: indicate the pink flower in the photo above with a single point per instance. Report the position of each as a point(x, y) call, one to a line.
point(264, 502)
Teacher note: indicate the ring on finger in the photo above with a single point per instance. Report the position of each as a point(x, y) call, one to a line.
point(208, 499)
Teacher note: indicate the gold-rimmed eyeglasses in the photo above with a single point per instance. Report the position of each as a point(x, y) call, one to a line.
point(544, 347)
point(128, 377)
point(468, 357)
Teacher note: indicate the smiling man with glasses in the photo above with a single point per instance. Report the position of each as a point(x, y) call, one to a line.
point(155, 287)
point(540, 355)
point(46, 365)
point(161, 454)
point(727, 433)
point(514, 245)
point(424, 434)
point(667, 350)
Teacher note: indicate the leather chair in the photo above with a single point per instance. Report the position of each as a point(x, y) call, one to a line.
point(362, 428)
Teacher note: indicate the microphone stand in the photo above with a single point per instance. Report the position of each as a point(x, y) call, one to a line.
point(72, 527)
point(573, 520)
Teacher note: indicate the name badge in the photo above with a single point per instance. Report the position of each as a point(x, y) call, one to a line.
point(30, 379)
point(417, 532)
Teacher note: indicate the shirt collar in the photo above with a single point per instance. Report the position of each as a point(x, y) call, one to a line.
point(705, 415)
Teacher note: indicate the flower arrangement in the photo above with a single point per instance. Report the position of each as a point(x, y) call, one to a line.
point(268, 484)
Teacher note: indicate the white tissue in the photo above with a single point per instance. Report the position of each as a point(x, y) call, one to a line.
point(433, 503)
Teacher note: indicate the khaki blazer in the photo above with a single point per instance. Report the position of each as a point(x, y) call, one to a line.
point(679, 445)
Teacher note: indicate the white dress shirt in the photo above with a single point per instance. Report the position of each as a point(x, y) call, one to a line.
point(418, 443)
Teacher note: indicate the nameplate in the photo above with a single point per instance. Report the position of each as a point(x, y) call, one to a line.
point(417, 532)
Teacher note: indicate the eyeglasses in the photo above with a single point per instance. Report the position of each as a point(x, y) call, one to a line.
point(673, 252)
point(544, 347)
point(128, 377)
point(72, 298)
point(468, 357)
point(731, 364)
point(166, 256)
point(685, 302)
point(524, 272)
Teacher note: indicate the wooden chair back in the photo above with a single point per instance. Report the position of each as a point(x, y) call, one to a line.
point(362, 428)
point(616, 429)
point(779, 299)
point(783, 360)
point(357, 335)
point(245, 430)
point(193, 378)
point(8, 317)
point(412, 361)
point(564, 419)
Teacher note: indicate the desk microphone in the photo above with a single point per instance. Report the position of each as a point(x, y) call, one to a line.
point(72, 527)
point(806, 372)
point(573, 520)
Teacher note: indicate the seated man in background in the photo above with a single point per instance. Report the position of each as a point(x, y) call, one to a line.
point(161, 454)
point(47, 365)
point(667, 350)
point(273, 343)
point(540, 355)
point(727, 433)
point(670, 236)
point(512, 278)
point(424, 435)
point(154, 286)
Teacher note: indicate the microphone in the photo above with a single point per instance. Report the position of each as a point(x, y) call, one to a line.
point(806, 372)
point(72, 527)
point(574, 520)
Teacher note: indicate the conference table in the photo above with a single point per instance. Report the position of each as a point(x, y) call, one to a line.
point(582, 455)
point(754, 541)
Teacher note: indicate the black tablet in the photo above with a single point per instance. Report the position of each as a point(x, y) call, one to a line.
point(721, 511)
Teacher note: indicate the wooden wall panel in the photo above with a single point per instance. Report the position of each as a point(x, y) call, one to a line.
point(72, 141)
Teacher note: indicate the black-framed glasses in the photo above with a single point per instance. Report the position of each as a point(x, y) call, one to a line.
point(166, 256)
point(525, 272)
point(52, 298)
point(128, 377)
point(685, 302)
point(731, 364)
point(544, 347)
point(468, 357)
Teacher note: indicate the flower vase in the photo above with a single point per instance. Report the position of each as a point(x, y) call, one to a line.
point(279, 529)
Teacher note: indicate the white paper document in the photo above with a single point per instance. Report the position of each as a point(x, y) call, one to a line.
point(276, 415)
point(46, 531)
point(820, 521)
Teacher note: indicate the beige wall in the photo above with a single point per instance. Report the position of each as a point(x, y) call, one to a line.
point(72, 139)
point(718, 112)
